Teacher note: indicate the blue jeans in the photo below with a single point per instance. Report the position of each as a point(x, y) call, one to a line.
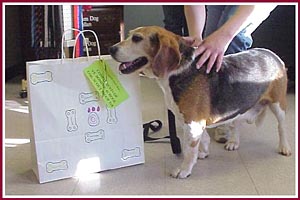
point(217, 15)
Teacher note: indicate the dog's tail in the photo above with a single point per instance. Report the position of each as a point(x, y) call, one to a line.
point(259, 119)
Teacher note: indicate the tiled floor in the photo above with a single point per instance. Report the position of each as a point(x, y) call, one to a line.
point(254, 169)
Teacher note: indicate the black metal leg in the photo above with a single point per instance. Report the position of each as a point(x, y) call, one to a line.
point(156, 125)
point(175, 142)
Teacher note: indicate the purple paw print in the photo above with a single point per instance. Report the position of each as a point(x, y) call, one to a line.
point(93, 118)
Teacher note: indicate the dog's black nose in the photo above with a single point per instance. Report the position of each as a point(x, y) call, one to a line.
point(112, 50)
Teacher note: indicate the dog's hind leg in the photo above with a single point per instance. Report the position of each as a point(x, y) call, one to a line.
point(233, 142)
point(251, 116)
point(284, 147)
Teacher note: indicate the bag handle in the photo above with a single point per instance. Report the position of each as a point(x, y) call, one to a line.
point(63, 55)
point(81, 33)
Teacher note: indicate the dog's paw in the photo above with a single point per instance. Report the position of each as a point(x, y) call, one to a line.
point(231, 145)
point(285, 150)
point(202, 155)
point(181, 174)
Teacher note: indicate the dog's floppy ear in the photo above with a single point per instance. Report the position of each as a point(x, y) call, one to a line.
point(167, 57)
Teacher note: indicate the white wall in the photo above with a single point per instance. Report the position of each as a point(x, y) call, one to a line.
point(142, 15)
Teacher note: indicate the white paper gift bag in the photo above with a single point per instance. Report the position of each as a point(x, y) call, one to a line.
point(74, 132)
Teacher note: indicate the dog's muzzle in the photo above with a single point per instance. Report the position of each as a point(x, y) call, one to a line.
point(113, 50)
point(130, 66)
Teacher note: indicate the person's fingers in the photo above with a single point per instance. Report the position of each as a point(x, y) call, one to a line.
point(199, 50)
point(211, 62)
point(204, 57)
point(219, 62)
point(213, 56)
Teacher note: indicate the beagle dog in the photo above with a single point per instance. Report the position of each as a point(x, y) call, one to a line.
point(247, 83)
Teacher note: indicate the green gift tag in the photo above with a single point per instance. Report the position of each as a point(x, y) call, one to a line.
point(106, 83)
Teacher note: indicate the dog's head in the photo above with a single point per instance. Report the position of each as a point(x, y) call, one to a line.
point(148, 50)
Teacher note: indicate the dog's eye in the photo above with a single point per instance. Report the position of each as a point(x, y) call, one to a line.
point(136, 38)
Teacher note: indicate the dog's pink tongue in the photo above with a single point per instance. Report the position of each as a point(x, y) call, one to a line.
point(124, 65)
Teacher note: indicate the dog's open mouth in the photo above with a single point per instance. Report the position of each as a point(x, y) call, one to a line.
point(129, 67)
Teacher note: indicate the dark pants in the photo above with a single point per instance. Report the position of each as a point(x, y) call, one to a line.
point(175, 19)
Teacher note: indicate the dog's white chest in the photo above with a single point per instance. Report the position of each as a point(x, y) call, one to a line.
point(169, 100)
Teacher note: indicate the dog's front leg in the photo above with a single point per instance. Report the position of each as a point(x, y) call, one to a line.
point(204, 145)
point(192, 137)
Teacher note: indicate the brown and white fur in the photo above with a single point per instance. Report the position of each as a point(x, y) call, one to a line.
point(247, 83)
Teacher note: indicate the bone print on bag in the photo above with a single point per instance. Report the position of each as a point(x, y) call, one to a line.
point(36, 78)
point(56, 166)
point(71, 120)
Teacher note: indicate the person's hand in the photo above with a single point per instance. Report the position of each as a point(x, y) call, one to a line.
point(212, 50)
point(213, 47)
point(192, 41)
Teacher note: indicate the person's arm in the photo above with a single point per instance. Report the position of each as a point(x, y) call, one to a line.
point(195, 18)
point(214, 46)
